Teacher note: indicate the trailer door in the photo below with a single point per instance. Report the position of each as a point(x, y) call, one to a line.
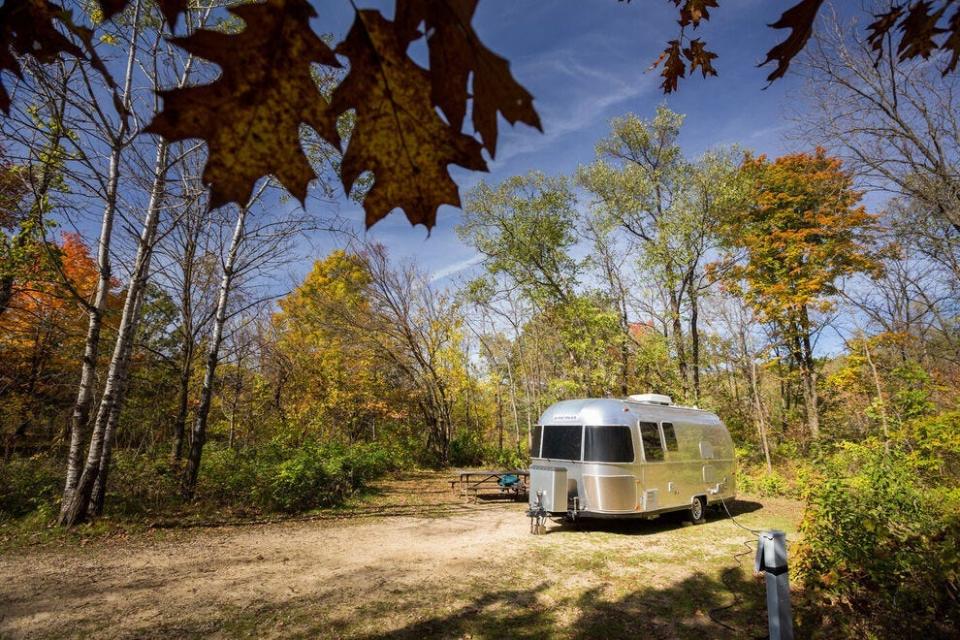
point(674, 468)
point(654, 469)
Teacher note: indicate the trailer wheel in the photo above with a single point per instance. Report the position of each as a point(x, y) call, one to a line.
point(698, 510)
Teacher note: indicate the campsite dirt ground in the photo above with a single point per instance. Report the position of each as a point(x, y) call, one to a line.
point(408, 560)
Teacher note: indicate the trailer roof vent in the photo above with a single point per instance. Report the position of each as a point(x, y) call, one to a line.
point(652, 398)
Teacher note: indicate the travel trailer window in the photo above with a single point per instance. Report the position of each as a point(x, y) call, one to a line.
point(669, 436)
point(652, 447)
point(607, 444)
point(561, 441)
point(535, 442)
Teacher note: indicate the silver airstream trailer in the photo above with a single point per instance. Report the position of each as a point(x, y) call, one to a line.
point(636, 457)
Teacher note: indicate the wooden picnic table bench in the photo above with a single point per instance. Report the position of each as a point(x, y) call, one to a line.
point(471, 482)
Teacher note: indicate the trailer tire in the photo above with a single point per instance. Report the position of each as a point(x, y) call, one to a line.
point(698, 510)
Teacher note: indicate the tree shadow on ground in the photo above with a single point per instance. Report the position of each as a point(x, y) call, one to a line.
point(737, 508)
point(504, 497)
point(645, 526)
point(508, 613)
point(699, 606)
point(445, 503)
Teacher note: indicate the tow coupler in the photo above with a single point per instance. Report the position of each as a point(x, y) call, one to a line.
point(538, 516)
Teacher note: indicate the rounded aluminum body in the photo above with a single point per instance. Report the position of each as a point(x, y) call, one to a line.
point(623, 458)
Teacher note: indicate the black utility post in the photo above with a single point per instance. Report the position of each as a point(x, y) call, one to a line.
point(772, 560)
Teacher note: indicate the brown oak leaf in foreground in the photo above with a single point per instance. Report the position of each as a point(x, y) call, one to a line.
point(29, 27)
point(674, 67)
point(799, 19)
point(398, 136)
point(250, 116)
point(455, 52)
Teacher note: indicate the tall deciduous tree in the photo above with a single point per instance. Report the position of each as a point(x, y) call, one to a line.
point(635, 181)
point(418, 328)
point(85, 490)
point(339, 385)
point(259, 239)
point(802, 232)
point(525, 228)
point(668, 207)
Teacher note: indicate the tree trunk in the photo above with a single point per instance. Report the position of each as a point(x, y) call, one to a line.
point(75, 509)
point(750, 363)
point(695, 341)
point(187, 335)
point(80, 415)
point(758, 407)
point(678, 345)
point(809, 374)
point(183, 399)
point(617, 289)
point(784, 391)
point(98, 497)
point(810, 401)
point(876, 383)
point(199, 433)
point(499, 418)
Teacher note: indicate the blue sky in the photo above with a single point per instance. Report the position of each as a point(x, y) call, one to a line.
point(586, 61)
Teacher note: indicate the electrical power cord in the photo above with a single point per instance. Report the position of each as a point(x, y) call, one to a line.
point(738, 557)
point(734, 520)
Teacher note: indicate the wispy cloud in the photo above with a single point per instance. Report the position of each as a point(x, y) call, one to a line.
point(456, 267)
point(588, 93)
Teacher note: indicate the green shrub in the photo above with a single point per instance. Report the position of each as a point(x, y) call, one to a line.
point(508, 458)
point(787, 450)
point(878, 543)
point(757, 480)
point(288, 477)
point(913, 387)
point(773, 484)
point(27, 484)
point(467, 450)
point(748, 453)
point(276, 476)
point(934, 445)
point(373, 459)
point(310, 478)
point(231, 477)
point(141, 483)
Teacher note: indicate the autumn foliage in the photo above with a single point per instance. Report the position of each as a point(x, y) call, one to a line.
point(707, 278)
point(799, 234)
point(803, 231)
point(250, 117)
point(41, 335)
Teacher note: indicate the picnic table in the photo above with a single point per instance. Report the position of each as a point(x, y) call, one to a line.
point(471, 482)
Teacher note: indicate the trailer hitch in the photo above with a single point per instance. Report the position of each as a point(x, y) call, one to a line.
point(538, 516)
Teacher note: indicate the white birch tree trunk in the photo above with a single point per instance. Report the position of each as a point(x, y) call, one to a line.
point(75, 510)
point(98, 496)
point(81, 408)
